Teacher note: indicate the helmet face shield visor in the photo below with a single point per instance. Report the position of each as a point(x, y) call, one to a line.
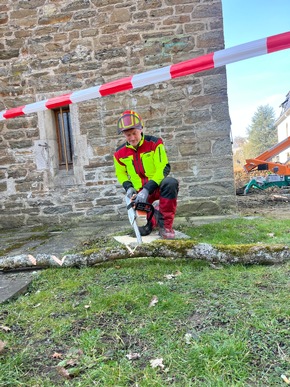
point(129, 121)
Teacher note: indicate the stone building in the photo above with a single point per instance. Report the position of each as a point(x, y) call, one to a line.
point(283, 128)
point(56, 165)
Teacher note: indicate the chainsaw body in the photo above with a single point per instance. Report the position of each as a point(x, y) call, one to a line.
point(139, 215)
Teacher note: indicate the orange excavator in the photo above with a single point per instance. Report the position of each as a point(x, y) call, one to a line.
point(281, 172)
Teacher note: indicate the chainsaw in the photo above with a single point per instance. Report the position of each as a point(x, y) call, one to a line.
point(138, 215)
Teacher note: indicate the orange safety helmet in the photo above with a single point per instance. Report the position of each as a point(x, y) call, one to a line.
point(129, 120)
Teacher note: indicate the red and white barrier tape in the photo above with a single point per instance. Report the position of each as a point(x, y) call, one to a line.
point(205, 62)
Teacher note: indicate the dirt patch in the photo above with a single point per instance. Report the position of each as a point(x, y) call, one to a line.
point(273, 203)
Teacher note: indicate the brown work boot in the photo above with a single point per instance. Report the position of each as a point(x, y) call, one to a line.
point(166, 233)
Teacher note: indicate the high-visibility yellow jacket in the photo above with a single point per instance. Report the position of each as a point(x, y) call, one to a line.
point(144, 167)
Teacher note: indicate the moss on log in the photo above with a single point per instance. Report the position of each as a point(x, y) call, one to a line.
point(222, 254)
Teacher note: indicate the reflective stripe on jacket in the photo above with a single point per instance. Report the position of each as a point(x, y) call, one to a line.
point(145, 166)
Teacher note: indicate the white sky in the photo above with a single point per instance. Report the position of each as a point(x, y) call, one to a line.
point(261, 80)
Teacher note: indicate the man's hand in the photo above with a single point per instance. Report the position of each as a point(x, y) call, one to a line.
point(130, 192)
point(142, 196)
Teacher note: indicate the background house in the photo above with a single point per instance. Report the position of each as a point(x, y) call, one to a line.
point(283, 128)
point(56, 166)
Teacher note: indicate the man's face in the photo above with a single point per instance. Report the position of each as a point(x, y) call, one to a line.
point(133, 136)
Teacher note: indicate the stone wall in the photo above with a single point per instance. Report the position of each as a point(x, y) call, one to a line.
point(52, 47)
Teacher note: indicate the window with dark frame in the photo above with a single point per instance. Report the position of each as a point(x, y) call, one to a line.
point(64, 137)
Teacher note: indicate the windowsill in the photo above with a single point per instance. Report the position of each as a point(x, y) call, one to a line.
point(64, 178)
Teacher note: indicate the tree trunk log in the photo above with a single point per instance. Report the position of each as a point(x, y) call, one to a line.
point(234, 254)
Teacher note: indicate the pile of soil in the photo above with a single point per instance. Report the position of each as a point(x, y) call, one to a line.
point(274, 202)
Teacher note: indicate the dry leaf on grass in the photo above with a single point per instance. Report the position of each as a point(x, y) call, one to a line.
point(63, 372)
point(57, 355)
point(153, 301)
point(70, 367)
point(170, 276)
point(215, 267)
point(69, 373)
point(286, 380)
point(157, 363)
point(2, 345)
point(72, 358)
point(72, 362)
point(133, 356)
point(4, 328)
point(188, 338)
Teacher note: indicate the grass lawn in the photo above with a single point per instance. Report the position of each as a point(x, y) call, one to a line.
point(154, 322)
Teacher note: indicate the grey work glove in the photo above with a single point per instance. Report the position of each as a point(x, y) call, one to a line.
point(130, 192)
point(142, 196)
